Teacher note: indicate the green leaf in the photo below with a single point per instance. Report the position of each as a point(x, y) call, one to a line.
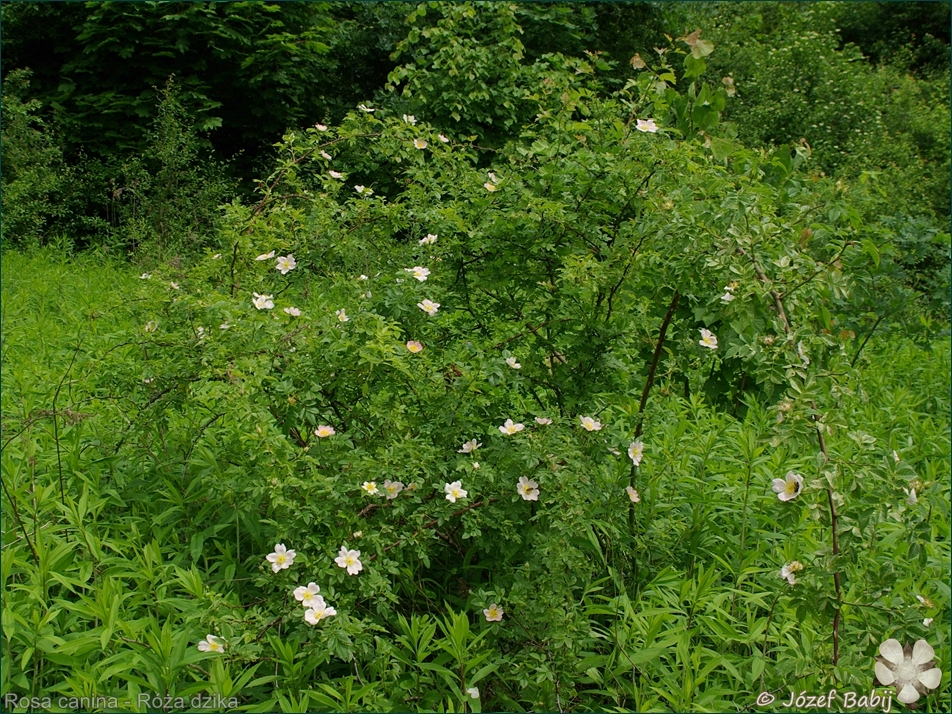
point(870, 249)
point(721, 148)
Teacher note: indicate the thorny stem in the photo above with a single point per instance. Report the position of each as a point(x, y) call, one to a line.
point(16, 514)
point(644, 393)
point(767, 632)
point(267, 627)
point(533, 330)
point(836, 544)
point(873, 329)
point(832, 261)
point(59, 460)
point(778, 303)
point(435, 521)
point(654, 361)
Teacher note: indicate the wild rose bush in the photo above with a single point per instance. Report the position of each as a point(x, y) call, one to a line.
point(532, 427)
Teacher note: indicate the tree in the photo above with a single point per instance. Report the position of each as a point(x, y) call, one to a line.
point(247, 70)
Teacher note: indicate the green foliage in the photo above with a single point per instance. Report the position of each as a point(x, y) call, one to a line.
point(35, 178)
point(458, 78)
point(540, 300)
point(796, 82)
point(246, 72)
point(913, 35)
point(168, 198)
point(364, 37)
point(476, 68)
point(690, 614)
point(252, 63)
point(164, 201)
point(618, 32)
point(166, 430)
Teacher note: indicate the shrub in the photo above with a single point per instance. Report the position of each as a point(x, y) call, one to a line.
point(796, 80)
point(35, 179)
point(578, 365)
point(169, 197)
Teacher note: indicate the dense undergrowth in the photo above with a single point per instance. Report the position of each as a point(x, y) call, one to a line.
point(146, 503)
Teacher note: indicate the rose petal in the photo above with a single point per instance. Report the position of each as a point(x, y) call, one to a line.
point(892, 651)
point(884, 674)
point(908, 694)
point(930, 678)
point(779, 485)
point(922, 652)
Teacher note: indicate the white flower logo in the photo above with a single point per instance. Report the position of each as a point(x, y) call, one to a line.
point(910, 669)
